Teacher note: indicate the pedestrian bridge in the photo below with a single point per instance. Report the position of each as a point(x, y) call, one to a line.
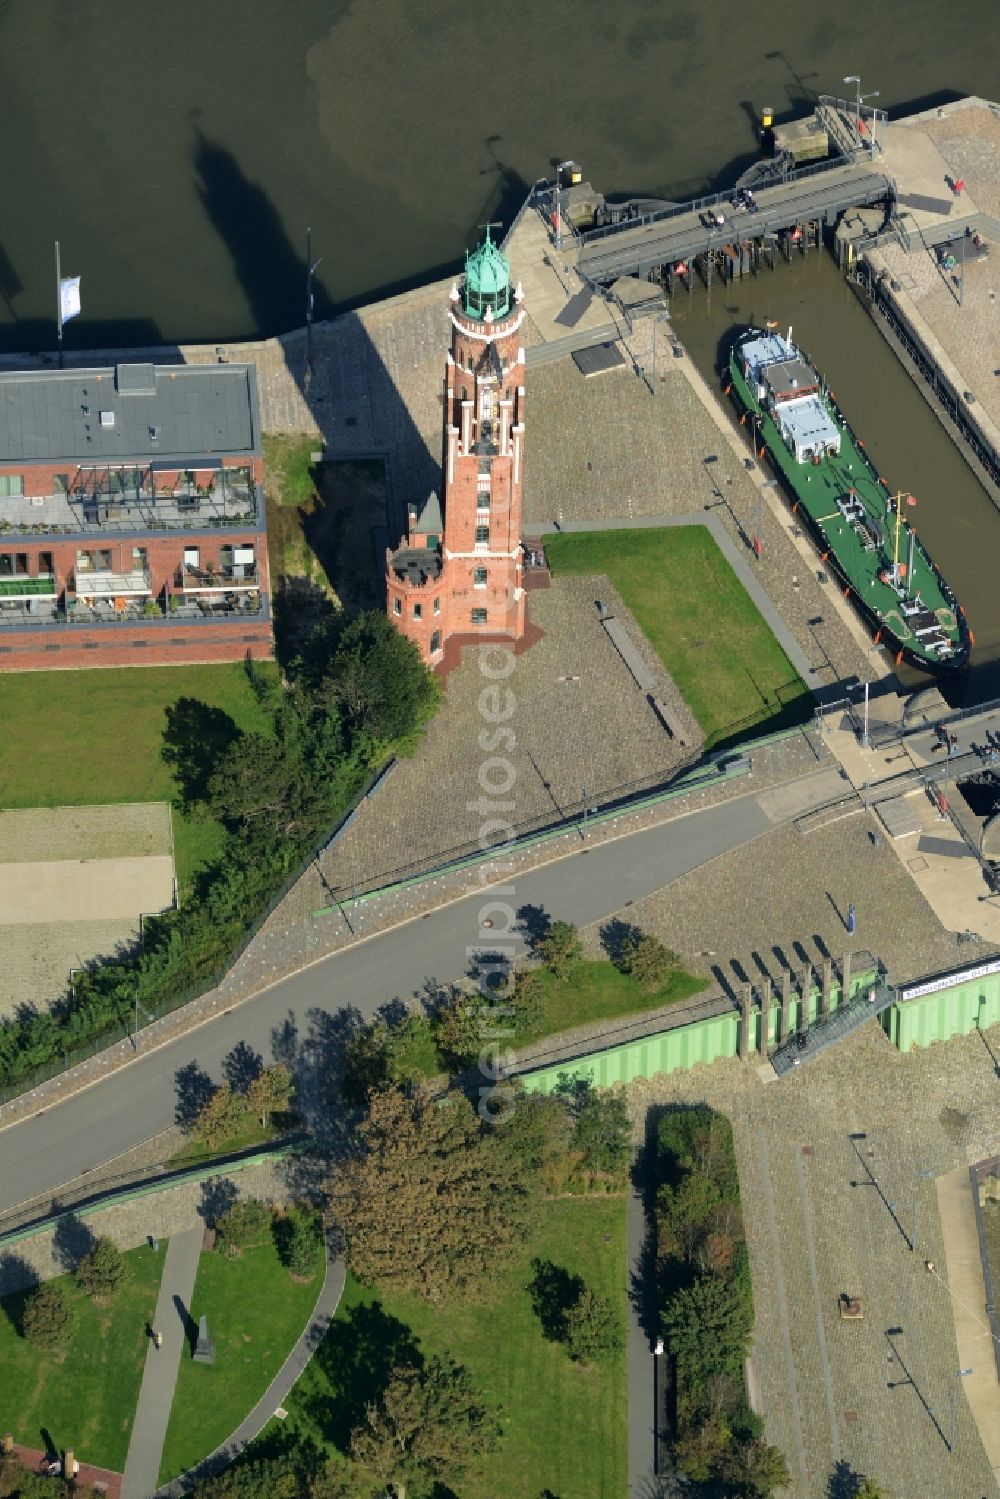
point(803, 1046)
point(676, 234)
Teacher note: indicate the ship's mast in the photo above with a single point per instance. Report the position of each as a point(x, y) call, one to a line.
point(895, 554)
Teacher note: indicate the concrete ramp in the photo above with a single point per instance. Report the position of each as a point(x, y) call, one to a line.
point(899, 817)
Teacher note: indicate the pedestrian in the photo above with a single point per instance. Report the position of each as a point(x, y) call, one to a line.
point(157, 1340)
point(851, 920)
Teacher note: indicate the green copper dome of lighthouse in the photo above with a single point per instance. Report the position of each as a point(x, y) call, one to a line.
point(487, 281)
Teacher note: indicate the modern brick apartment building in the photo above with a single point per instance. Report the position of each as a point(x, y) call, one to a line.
point(459, 570)
point(132, 527)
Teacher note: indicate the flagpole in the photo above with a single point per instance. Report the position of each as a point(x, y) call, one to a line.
point(59, 320)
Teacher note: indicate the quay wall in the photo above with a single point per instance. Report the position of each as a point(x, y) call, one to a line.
point(934, 375)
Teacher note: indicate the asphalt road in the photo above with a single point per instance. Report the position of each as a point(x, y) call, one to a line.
point(71, 1138)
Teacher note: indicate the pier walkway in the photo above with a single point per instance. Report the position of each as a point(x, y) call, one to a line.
point(678, 234)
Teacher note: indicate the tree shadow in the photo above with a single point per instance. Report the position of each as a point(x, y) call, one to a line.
point(643, 1275)
point(217, 1197)
point(844, 1482)
point(195, 738)
point(72, 1241)
point(616, 938)
point(242, 1066)
point(18, 1278)
point(356, 1358)
point(553, 1292)
point(534, 922)
point(194, 1089)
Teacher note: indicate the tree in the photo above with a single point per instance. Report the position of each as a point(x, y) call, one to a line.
point(699, 1450)
point(527, 1000)
point(646, 959)
point(602, 1133)
point(708, 1327)
point(430, 1202)
point(297, 1237)
point(48, 1317)
point(269, 1091)
point(593, 1328)
point(685, 1209)
point(755, 1468)
point(366, 1063)
point(536, 1133)
point(247, 1222)
point(871, 1490)
point(378, 677)
point(428, 1424)
point(253, 781)
point(559, 947)
point(460, 1025)
point(268, 1478)
point(221, 1117)
point(102, 1271)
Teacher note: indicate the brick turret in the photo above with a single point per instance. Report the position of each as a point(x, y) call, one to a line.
point(459, 570)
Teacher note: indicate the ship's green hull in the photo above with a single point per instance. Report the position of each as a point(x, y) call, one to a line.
point(848, 550)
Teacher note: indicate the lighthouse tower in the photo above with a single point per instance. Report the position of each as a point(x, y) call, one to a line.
point(459, 570)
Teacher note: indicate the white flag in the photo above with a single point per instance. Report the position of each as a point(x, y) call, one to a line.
point(69, 297)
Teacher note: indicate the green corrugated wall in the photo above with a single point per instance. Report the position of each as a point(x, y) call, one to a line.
point(955, 1011)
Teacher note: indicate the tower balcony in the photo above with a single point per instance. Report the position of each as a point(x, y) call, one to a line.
point(416, 566)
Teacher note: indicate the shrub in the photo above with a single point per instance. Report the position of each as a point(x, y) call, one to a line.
point(48, 1317)
point(247, 1222)
point(593, 1328)
point(296, 1236)
point(103, 1270)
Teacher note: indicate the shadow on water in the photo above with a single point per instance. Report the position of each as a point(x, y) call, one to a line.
point(267, 267)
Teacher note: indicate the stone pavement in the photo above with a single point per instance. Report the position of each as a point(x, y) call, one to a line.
point(152, 1413)
point(855, 1392)
point(956, 1208)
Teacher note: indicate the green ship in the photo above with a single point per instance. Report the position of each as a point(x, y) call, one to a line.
point(862, 531)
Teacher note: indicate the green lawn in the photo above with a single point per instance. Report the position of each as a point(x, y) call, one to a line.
point(698, 618)
point(76, 737)
point(565, 1428)
point(255, 1311)
point(85, 1399)
point(596, 990)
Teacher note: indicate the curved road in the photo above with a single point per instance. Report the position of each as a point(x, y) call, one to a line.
point(68, 1139)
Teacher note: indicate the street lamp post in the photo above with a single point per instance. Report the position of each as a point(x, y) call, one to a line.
point(312, 266)
point(855, 78)
point(952, 1400)
point(562, 167)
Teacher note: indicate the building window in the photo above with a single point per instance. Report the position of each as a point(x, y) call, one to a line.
point(139, 559)
point(397, 607)
point(435, 642)
point(11, 484)
point(479, 616)
point(470, 361)
point(84, 562)
point(192, 558)
point(479, 578)
point(45, 568)
point(482, 535)
point(484, 466)
point(60, 483)
point(503, 362)
point(437, 606)
point(418, 611)
point(13, 564)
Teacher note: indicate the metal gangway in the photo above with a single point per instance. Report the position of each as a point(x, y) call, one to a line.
point(803, 1045)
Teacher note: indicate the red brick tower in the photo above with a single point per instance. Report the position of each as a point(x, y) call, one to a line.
point(459, 569)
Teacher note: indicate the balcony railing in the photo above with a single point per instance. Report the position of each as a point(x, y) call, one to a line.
point(87, 510)
point(226, 580)
point(28, 588)
point(44, 614)
point(101, 584)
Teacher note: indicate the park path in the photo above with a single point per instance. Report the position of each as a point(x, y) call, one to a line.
point(180, 1266)
point(642, 1393)
point(334, 1276)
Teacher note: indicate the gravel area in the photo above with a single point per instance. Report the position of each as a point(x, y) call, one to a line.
point(36, 960)
point(109, 831)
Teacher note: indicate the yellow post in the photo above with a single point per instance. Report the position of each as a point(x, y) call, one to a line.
point(899, 519)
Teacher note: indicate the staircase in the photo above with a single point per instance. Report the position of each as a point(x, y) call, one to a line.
point(804, 1045)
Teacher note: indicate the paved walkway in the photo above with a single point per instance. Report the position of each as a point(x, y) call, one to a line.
point(641, 1371)
point(180, 1266)
point(964, 1271)
point(326, 1305)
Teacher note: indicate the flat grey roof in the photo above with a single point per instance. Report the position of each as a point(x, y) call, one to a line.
point(197, 410)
